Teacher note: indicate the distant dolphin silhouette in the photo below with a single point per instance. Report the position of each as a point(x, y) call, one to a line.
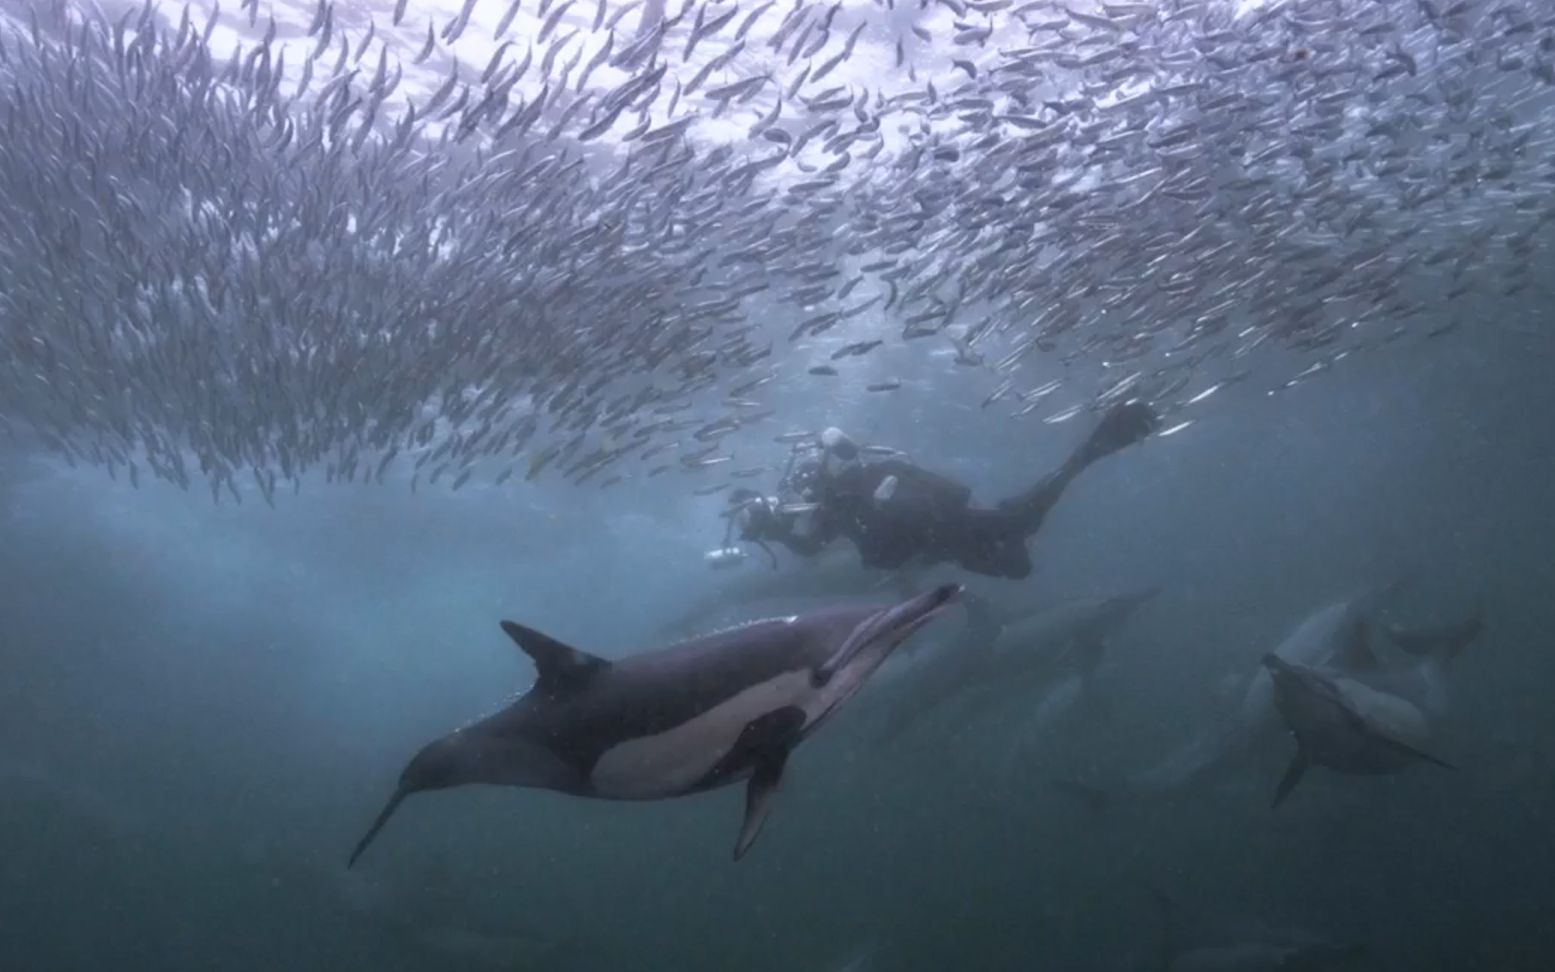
point(1344, 725)
point(695, 716)
point(1007, 652)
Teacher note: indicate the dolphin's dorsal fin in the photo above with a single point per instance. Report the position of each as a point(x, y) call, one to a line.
point(561, 667)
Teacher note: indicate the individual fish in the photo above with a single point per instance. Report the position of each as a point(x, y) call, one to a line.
point(855, 349)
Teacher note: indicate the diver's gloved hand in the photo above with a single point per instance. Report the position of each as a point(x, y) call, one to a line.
point(1121, 427)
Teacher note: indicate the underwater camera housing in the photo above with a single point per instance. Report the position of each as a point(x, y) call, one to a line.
point(723, 558)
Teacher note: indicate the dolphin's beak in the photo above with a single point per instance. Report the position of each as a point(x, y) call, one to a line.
point(919, 611)
point(383, 817)
point(893, 623)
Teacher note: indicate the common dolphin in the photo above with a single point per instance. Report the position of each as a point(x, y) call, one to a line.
point(1336, 638)
point(1344, 725)
point(1333, 636)
point(698, 715)
point(1003, 650)
point(1419, 666)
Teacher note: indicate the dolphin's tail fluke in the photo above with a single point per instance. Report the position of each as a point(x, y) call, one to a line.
point(1444, 641)
point(383, 818)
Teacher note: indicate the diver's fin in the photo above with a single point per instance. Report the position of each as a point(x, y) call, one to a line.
point(1121, 426)
point(561, 667)
point(1443, 641)
point(759, 794)
point(1293, 773)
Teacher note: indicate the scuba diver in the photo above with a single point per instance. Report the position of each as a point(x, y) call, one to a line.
point(894, 511)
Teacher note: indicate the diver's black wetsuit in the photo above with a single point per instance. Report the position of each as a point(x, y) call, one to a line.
point(931, 517)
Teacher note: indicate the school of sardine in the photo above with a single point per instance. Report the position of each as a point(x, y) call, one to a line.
point(240, 245)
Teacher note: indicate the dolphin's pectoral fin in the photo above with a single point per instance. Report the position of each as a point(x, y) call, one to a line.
point(764, 744)
point(560, 667)
point(1293, 773)
point(759, 793)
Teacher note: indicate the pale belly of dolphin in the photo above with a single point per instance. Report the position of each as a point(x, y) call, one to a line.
point(1389, 716)
point(675, 760)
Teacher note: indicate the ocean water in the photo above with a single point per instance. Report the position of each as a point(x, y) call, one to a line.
point(202, 704)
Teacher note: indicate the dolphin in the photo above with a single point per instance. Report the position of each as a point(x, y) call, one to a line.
point(1344, 724)
point(1333, 636)
point(695, 716)
point(1001, 650)
point(1336, 639)
point(1419, 667)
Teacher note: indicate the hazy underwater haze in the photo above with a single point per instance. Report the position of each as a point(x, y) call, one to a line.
point(333, 335)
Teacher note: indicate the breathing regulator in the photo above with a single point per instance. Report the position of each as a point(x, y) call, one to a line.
point(753, 513)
